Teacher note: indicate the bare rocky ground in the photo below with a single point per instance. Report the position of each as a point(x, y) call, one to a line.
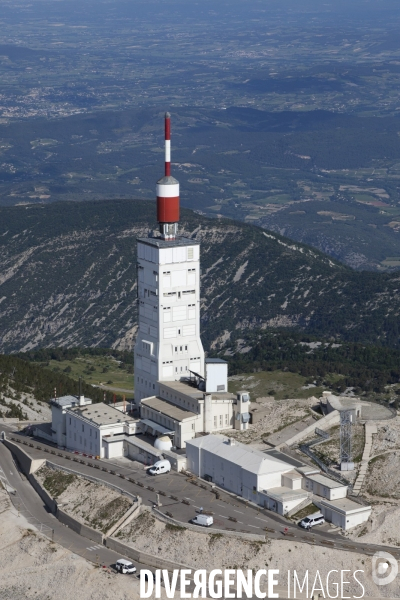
point(383, 527)
point(383, 477)
point(280, 414)
point(90, 503)
point(34, 409)
point(388, 436)
point(213, 551)
point(31, 566)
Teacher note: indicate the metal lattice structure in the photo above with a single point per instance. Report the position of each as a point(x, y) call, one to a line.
point(346, 424)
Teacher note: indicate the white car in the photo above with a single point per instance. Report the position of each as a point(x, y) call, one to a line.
point(311, 520)
point(203, 520)
point(125, 566)
point(161, 466)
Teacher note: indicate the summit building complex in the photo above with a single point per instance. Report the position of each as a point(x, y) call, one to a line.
point(178, 391)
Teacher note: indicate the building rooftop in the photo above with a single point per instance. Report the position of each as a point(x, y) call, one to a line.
point(288, 459)
point(66, 401)
point(160, 243)
point(293, 475)
point(103, 414)
point(184, 387)
point(250, 460)
point(285, 494)
point(326, 481)
point(344, 504)
point(167, 408)
point(215, 361)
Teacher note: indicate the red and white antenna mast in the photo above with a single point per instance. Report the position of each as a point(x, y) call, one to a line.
point(168, 192)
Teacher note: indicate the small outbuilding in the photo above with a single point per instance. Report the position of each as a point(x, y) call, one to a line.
point(344, 513)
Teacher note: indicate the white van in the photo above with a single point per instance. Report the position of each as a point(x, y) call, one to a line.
point(311, 520)
point(203, 520)
point(124, 566)
point(161, 466)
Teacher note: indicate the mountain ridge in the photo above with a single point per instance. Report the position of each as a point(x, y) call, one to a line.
point(68, 278)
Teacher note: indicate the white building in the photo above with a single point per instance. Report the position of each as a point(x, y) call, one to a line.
point(271, 480)
point(251, 474)
point(98, 429)
point(345, 513)
point(168, 344)
point(59, 407)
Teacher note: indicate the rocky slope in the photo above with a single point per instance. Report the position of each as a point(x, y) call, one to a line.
point(68, 278)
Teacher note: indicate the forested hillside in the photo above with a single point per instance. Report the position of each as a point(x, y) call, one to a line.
point(68, 278)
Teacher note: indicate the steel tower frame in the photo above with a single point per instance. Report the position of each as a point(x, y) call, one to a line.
point(346, 423)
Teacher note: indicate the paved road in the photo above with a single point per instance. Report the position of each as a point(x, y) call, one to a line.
point(229, 513)
point(28, 504)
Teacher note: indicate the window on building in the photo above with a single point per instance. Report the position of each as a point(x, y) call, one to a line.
point(192, 425)
point(95, 435)
point(215, 421)
point(83, 428)
point(226, 420)
point(90, 433)
point(186, 348)
point(70, 420)
point(190, 254)
point(220, 420)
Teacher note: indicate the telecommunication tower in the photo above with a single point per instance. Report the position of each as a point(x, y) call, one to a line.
point(346, 424)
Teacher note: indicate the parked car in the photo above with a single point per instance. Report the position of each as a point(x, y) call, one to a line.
point(311, 520)
point(203, 520)
point(161, 466)
point(125, 566)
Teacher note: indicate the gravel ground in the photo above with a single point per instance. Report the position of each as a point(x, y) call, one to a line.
point(281, 413)
point(388, 436)
point(210, 551)
point(90, 503)
point(33, 567)
point(383, 526)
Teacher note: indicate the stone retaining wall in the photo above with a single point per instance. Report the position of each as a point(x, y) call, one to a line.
point(143, 557)
point(78, 527)
point(27, 463)
point(252, 537)
point(45, 496)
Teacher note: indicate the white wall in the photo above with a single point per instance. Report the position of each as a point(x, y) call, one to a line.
point(58, 424)
point(345, 520)
point(168, 342)
point(115, 449)
point(321, 490)
point(216, 377)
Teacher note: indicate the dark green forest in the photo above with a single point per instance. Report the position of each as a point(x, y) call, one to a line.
point(366, 368)
point(26, 376)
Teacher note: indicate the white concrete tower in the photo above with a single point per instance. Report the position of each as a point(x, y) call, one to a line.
point(168, 344)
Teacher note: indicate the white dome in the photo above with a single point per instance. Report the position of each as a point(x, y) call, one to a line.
point(163, 443)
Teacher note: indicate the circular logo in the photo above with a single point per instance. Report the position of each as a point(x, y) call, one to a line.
point(384, 568)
